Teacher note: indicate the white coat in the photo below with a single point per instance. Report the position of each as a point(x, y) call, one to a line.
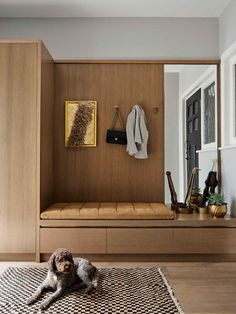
point(137, 133)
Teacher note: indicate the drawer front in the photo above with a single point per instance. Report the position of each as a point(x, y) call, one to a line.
point(77, 240)
point(139, 240)
point(205, 240)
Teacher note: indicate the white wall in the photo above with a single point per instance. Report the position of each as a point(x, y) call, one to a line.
point(120, 38)
point(206, 159)
point(189, 74)
point(171, 131)
point(228, 157)
point(227, 26)
point(227, 40)
point(228, 152)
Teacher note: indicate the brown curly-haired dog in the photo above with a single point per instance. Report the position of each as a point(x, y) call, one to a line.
point(64, 272)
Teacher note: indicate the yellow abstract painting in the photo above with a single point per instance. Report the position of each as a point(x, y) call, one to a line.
point(80, 123)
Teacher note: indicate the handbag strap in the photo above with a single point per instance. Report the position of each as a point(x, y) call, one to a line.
point(117, 115)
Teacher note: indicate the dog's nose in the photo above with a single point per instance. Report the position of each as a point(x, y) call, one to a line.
point(67, 266)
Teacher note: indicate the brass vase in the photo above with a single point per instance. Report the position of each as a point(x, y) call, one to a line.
point(218, 210)
point(202, 210)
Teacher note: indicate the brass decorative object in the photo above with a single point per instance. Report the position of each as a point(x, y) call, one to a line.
point(217, 205)
point(183, 209)
point(203, 210)
point(218, 210)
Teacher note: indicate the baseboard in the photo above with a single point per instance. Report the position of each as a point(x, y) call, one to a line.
point(17, 257)
point(153, 257)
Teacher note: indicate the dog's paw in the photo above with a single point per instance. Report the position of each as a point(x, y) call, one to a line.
point(88, 290)
point(30, 301)
point(43, 306)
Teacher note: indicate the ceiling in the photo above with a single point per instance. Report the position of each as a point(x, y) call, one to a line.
point(112, 8)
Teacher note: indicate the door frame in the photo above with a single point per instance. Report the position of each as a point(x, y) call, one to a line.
point(200, 83)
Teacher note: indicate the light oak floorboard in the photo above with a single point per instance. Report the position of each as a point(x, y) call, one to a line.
point(208, 288)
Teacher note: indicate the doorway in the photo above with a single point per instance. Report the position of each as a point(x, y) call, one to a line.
point(190, 124)
point(193, 133)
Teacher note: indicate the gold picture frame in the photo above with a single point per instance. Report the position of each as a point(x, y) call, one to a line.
point(80, 123)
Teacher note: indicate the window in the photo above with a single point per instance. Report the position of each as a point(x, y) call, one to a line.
point(209, 114)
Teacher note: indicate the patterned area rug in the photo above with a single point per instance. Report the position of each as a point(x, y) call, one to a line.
point(120, 291)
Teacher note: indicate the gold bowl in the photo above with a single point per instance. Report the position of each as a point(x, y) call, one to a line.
point(184, 210)
point(218, 210)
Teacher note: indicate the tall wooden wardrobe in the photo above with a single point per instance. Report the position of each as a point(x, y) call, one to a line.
point(26, 95)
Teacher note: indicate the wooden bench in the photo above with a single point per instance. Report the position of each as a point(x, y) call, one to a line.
point(135, 231)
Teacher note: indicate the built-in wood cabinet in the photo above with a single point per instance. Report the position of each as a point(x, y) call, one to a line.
point(139, 240)
point(188, 236)
point(24, 96)
point(37, 170)
point(80, 240)
point(204, 241)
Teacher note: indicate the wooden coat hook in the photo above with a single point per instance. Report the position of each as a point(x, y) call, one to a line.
point(155, 109)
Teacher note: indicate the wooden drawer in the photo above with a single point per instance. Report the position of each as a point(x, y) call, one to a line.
point(205, 240)
point(77, 240)
point(139, 240)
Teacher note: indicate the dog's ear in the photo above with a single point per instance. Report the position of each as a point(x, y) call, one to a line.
point(69, 256)
point(51, 263)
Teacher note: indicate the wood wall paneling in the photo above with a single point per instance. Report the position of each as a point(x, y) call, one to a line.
point(18, 154)
point(107, 173)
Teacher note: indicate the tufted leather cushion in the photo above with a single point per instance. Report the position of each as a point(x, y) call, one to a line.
point(107, 211)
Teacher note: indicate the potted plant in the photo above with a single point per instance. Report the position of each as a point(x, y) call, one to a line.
point(217, 205)
point(196, 196)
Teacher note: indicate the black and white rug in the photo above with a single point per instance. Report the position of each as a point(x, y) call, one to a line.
point(120, 291)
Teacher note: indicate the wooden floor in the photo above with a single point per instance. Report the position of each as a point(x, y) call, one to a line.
point(200, 287)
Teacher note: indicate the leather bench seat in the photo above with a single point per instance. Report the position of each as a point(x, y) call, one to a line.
point(107, 211)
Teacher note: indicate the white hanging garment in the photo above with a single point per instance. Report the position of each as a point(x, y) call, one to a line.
point(137, 133)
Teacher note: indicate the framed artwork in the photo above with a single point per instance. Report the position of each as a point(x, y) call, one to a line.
point(81, 123)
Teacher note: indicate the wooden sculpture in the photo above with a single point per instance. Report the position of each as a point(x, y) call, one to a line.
point(174, 202)
point(183, 208)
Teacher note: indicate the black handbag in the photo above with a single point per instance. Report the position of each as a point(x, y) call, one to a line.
point(115, 136)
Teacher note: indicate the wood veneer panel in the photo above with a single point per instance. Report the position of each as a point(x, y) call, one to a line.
point(18, 141)
point(107, 173)
point(47, 118)
point(197, 221)
point(83, 240)
point(139, 240)
point(205, 240)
